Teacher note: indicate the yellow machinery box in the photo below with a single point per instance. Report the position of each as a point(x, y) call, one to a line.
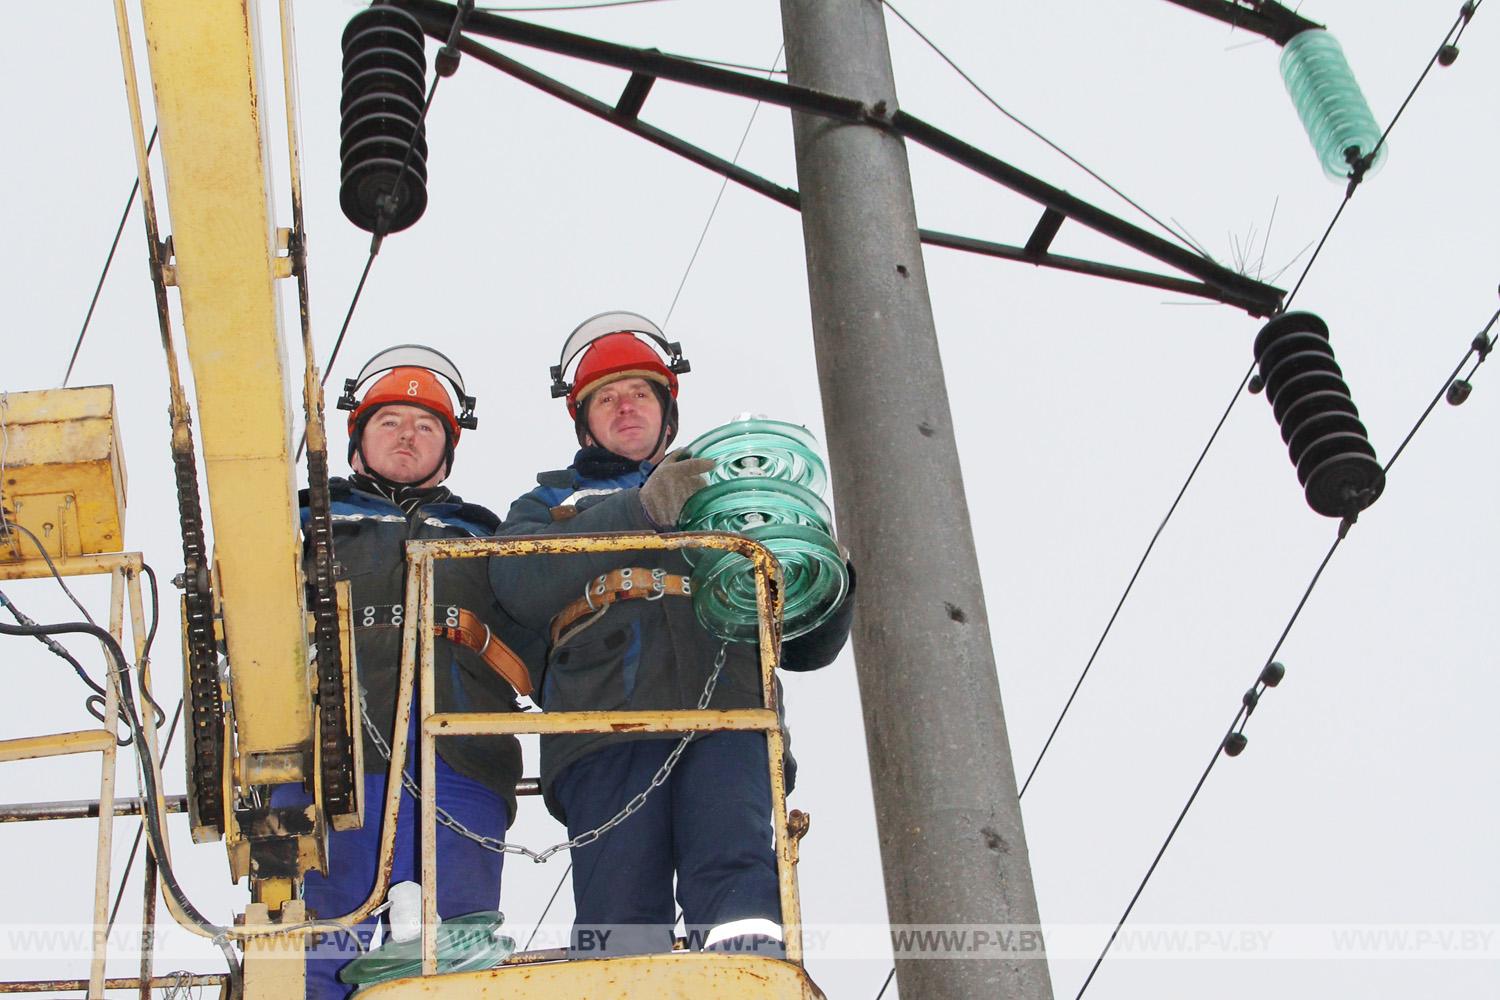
point(63, 472)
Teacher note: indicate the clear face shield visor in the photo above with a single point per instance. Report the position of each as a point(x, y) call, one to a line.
point(603, 325)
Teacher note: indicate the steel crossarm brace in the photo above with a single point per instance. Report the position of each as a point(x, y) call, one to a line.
point(1217, 282)
point(625, 119)
point(436, 16)
point(1058, 200)
point(1255, 305)
point(761, 185)
point(1263, 17)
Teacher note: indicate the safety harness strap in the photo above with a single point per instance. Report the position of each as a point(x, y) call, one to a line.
point(625, 584)
point(461, 626)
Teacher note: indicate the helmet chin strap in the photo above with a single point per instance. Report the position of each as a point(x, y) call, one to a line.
point(665, 434)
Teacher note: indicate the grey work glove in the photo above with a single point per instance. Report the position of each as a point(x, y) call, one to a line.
point(678, 477)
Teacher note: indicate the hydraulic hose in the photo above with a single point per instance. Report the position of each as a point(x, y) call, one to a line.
point(197, 921)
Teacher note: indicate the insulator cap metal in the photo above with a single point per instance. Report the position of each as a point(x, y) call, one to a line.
point(1319, 422)
point(385, 69)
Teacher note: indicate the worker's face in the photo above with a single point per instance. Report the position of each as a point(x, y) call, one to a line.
point(404, 444)
point(625, 417)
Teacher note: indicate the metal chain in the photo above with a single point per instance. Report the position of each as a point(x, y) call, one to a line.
point(500, 846)
point(181, 985)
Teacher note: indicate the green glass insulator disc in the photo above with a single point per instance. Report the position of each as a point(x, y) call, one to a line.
point(737, 505)
point(472, 941)
point(814, 581)
point(762, 448)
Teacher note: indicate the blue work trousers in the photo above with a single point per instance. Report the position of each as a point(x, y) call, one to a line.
point(468, 874)
point(710, 823)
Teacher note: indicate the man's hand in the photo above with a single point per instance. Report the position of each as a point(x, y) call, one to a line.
point(673, 481)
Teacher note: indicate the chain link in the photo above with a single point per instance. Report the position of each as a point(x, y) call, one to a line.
point(181, 985)
point(500, 846)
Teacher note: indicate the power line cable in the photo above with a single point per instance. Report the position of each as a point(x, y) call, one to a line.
point(1348, 194)
point(382, 221)
point(773, 71)
point(1190, 244)
point(1234, 741)
point(1240, 716)
point(1240, 388)
point(723, 185)
point(1448, 45)
point(1481, 345)
point(1446, 53)
point(548, 908)
point(114, 244)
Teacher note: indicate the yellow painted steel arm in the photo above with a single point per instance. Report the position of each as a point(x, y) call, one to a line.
point(204, 66)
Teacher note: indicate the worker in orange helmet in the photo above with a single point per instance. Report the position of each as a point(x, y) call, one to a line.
point(408, 391)
point(621, 636)
point(403, 433)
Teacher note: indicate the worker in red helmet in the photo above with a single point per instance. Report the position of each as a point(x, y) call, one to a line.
point(621, 635)
point(403, 432)
point(622, 357)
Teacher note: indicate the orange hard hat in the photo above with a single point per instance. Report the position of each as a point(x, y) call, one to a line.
point(414, 375)
point(414, 387)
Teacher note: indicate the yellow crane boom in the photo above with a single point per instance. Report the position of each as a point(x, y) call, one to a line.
point(204, 58)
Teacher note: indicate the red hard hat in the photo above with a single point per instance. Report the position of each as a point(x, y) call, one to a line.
point(413, 387)
point(613, 357)
point(612, 346)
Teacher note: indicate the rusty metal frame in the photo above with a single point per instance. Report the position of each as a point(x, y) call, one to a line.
point(35, 812)
point(124, 569)
point(153, 982)
point(421, 555)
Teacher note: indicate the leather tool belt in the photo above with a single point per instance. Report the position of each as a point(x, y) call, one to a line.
point(461, 626)
point(630, 583)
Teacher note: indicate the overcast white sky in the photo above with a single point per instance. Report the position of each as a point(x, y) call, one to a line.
point(1366, 796)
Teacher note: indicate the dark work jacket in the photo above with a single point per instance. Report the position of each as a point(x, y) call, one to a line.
point(639, 654)
point(370, 534)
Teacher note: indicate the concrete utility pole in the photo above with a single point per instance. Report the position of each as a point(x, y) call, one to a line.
point(951, 840)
